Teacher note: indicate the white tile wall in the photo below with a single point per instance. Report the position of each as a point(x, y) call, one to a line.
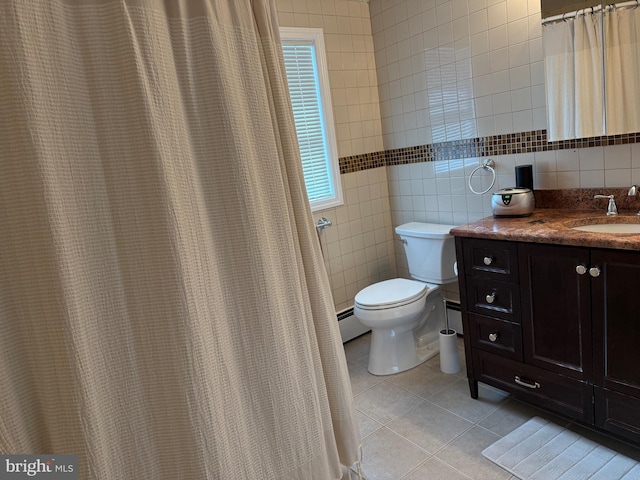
point(351, 64)
point(485, 79)
point(479, 71)
point(471, 60)
point(414, 72)
point(359, 248)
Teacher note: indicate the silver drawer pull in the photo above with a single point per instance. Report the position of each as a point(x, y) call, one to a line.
point(594, 272)
point(488, 260)
point(525, 384)
point(491, 297)
point(493, 336)
point(581, 269)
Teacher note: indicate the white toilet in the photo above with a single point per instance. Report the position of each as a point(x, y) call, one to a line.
point(405, 316)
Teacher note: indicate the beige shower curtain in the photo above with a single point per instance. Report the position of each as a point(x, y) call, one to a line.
point(164, 312)
point(573, 50)
point(622, 69)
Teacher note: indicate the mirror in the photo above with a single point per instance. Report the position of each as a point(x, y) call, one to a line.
point(550, 8)
point(592, 67)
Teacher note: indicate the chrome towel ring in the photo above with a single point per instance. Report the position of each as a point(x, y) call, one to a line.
point(486, 165)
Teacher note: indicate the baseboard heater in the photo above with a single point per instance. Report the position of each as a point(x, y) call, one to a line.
point(350, 327)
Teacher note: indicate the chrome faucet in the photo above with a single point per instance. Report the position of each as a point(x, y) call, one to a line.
point(612, 209)
point(633, 191)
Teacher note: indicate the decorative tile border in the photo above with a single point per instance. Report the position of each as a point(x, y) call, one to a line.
point(506, 144)
point(355, 163)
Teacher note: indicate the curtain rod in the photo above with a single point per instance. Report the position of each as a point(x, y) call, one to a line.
point(596, 8)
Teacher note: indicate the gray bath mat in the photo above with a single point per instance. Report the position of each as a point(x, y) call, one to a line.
point(541, 450)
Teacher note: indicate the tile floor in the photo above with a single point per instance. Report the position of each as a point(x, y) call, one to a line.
point(423, 425)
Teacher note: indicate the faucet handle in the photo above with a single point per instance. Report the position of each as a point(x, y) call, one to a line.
point(633, 191)
point(612, 209)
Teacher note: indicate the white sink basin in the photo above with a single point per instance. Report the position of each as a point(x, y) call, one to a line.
point(610, 228)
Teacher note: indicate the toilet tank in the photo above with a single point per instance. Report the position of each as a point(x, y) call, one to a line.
point(430, 250)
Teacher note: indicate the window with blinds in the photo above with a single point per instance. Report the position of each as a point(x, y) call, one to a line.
point(305, 64)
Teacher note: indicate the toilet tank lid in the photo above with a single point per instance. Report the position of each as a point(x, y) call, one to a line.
point(425, 230)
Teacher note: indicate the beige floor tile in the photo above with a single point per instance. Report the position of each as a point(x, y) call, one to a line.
point(513, 413)
point(423, 380)
point(429, 426)
point(435, 469)
point(442, 424)
point(456, 399)
point(361, 379)
point(367, 424)
point(388, 456)
point(358, 349)
point(465, 455)
point(384, 402)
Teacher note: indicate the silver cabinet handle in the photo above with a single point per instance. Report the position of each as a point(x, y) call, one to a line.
point(519, 381)
point(581, 269)
point(493, 336)
point(594, 272)
point(488, 260)
point(491, 297)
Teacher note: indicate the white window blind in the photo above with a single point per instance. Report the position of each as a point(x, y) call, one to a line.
point(308, 87)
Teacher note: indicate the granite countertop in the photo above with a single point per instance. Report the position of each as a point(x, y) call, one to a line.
point(553, 226)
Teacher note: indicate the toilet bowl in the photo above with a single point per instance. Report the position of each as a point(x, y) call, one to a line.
point(405, 315)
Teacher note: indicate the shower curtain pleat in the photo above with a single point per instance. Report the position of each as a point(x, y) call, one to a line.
point(573, 77)
point(164, 309)
point(622, 70)
point(559, 80)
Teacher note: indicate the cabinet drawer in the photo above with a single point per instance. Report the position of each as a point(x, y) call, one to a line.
point(549, 390)
point(493, 298)
point(496, 336)
point(491, 259)
point(617, 413)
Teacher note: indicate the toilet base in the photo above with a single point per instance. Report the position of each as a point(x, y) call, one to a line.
point(428, 346)
point(412, 342)
point(392, 352)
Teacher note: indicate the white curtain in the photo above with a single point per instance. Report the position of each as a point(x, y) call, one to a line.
point(164, 311)
point(574, 83)
point(622, 70)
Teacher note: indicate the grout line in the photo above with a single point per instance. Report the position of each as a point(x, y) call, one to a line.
point(430, 456)
point(372, 419)
point(441, 461)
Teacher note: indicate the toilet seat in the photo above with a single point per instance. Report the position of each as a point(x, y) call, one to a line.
point(392, 293)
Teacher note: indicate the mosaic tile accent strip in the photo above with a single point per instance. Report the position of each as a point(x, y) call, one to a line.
point(365, 161)
point(506, 144)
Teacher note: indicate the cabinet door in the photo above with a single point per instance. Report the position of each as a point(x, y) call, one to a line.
point(556, 310)
point(616, 321)
point(617, 413)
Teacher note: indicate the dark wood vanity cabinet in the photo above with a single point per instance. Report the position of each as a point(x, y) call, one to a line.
point(556, 311)
point(615, 296)
point(558, 326)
